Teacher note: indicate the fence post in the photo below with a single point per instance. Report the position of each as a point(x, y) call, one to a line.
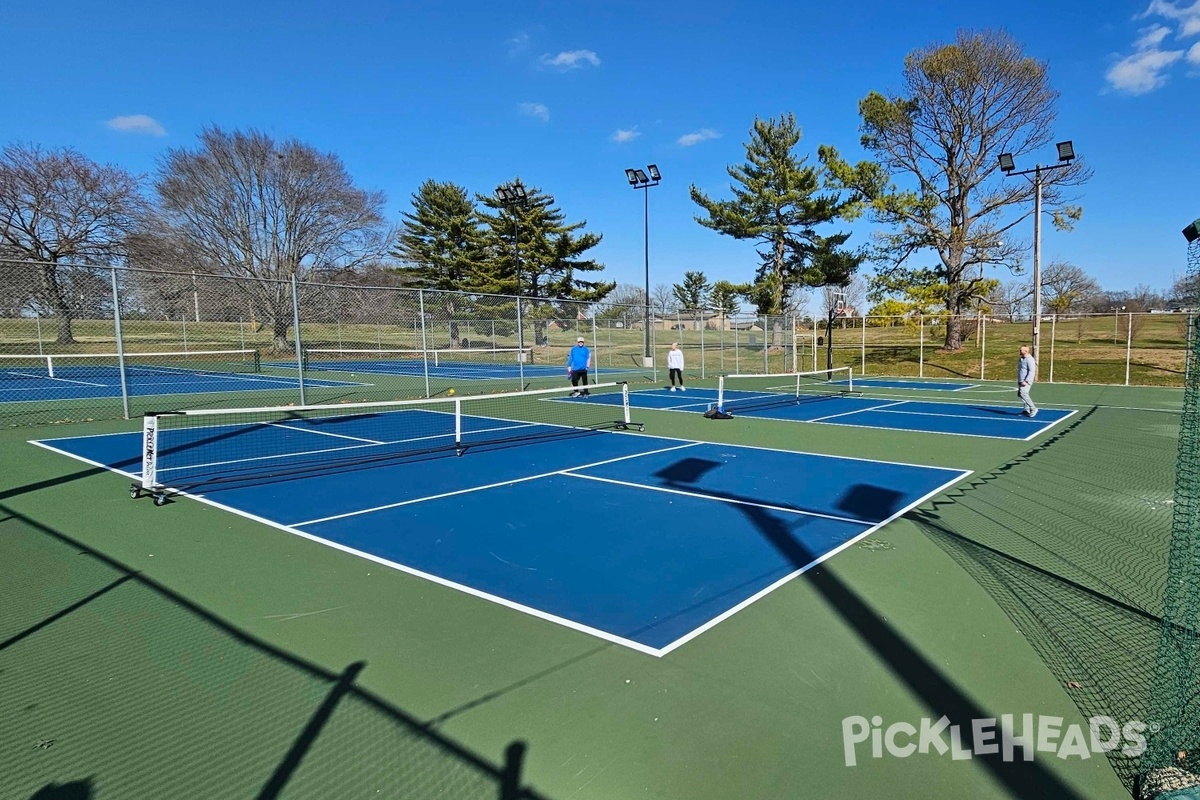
point(520, 346)
point(703, 324)
point(296, 337)
point(116, 295)
point(1187, 353)
point(982, 347)
point(921, 357)
point(1053, 326)
point(863, 320)
point(595, 350)
point(766, 333)
point(424, 339)
point(814, 324)
point(1128, 346)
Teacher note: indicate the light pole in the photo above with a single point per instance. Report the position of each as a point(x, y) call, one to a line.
point(513, 197)
point(1066, 154)
point(639, 180)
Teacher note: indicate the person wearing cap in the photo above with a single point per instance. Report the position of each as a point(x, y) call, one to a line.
point(675, 366)
point(579, 361)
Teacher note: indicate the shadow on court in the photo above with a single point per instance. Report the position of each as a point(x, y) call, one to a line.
point(151, 695)
point(922, 677)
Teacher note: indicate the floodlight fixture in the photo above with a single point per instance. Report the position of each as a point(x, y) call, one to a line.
point(1192, 232)
point(654, 173)
point(1066, 151)
point(641, 176)
point(1006, 162)
point(632, 177)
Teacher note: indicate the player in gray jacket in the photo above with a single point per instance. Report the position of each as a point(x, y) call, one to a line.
point(1026, 375)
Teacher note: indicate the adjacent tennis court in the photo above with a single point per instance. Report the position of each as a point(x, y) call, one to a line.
point(833, 398)
point(38, 378)
point(454, 363)
point(514, 499)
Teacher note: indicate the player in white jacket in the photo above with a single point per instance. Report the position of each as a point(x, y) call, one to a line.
point(675, 366)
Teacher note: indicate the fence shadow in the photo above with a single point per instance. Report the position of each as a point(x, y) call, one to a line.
point(155, 696)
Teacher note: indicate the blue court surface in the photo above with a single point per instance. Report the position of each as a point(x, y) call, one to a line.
point(900, 383)
point(93, 381)
point(961, 419)
point(636, 539)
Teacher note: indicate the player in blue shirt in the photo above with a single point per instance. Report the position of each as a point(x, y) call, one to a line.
point(579, 360)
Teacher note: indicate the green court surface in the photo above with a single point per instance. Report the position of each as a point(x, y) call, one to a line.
point(184, 651)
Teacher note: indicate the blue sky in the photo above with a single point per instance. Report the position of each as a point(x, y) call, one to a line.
point(567, 95)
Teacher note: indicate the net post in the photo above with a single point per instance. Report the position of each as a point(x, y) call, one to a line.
point(424, 340)
point(458, 424)
point(625, 401)
point(49, 365)
point(149, 451)
point(721, 393)
point(116, 295)
point(296, 338)
point(850, 379)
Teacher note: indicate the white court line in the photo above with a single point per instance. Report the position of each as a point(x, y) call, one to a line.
point(718, 499)
point(508, 482)
point(321, 433)
point(465, 589)
point(313, 452)
point(534, 612)
point(49, 378)
point(712, 623)
point(857, 411)
point(1013, 418)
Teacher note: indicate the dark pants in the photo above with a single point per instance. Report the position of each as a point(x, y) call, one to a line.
point(676, 374)
point(577, 376)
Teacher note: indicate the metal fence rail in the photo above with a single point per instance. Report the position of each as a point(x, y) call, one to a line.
point(154, 339)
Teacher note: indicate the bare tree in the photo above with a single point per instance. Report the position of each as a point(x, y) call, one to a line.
point(249, 206)
point(67, 213)
point(662, 297)
point(1011, 299)
point(965, 102)
point(1066, 286)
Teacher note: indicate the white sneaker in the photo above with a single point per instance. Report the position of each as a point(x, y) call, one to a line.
point(1033, 413)
point(672, 388)
point(682, 389)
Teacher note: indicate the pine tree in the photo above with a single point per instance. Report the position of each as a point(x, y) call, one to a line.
point(444, 247)
point(693, 293)
point(777, 202)
point(547, 262)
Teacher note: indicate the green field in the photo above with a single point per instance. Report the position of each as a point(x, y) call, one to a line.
point(185, 652)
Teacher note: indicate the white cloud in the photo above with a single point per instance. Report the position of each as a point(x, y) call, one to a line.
point(702, 135)
point(1188, 17)
point(137, 123)
point(571, 59)
point(1193, 55)
point(1152, 37)
point(1147, 67)
point(1142, 72)
point(518, 44)
point(536, 110)
point(626, 134)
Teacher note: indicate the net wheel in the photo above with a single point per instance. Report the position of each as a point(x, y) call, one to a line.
point(135, 492)
point(642, 428)
point(160, 499)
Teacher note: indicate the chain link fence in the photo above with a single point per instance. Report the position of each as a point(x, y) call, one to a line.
point(82, 342)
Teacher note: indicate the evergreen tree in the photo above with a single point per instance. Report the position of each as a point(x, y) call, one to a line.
point(777, 202)
point(444, 247)
point(724, 298)
point(693, 293)
point(547, 263)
